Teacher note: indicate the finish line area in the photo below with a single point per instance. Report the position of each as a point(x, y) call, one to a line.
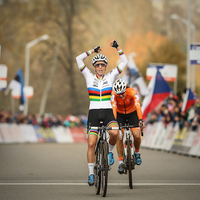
point(85, 184)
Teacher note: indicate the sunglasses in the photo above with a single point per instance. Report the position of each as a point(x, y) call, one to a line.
point(121, 94)
point(102, 64)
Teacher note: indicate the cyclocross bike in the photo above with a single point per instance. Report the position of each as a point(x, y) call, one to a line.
point(102, 158)
point(129, 157)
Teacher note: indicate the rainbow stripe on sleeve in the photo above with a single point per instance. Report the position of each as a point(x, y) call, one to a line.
point(119, 70)
point(88, 53)
point(82, 68)
point(121, 52)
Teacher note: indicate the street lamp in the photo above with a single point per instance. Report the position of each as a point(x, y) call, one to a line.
point(192, 26)
point(189, 26)
point(27, 62)
point(176, 17)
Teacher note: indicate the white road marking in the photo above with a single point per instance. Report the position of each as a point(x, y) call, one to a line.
point(113, 184)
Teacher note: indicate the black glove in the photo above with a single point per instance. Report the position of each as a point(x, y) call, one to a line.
point(141, 120)
point(96, 49)
point(115, 44)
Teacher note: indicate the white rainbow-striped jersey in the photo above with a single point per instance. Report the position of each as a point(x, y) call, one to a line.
point(100, 89)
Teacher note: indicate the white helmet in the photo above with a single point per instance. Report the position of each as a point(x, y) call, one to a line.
point(119, 86)
point(99, 57)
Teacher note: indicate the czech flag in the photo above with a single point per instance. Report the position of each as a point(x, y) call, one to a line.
point(159, 89)
point(188, 100)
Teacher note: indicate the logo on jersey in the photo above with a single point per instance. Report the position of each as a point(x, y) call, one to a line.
point(111, 71)
point(137, 102)
point(105, 82)
point(95, 83)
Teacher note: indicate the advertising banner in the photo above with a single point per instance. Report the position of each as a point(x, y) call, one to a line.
point(168, 71)
point(195, 54)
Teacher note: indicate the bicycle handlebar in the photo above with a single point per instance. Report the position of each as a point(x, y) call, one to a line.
point(103, 128)
point(129, 126)
point(117, 128)
point(133, 126)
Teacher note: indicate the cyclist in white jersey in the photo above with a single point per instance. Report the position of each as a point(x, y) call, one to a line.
point(99, 87)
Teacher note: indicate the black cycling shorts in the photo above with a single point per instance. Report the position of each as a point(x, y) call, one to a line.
point(132, 118)
point(97, 115)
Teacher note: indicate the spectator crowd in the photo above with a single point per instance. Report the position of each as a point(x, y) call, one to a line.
point(169, 111)
point(46, 120)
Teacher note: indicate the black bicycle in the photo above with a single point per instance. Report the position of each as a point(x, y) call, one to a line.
point(102, 158)
point(129, 159)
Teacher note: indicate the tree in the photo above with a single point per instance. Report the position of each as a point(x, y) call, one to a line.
point(51, 17)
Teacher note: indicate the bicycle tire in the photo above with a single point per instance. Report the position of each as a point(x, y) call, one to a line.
point(97, 172)
point(129, 164)
point(104, 168)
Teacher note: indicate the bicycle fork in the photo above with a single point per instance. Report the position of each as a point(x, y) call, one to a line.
point(132, 155)
point(132, 151)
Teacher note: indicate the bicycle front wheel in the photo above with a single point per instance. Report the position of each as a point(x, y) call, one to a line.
point(129, 163)
point(97, 172)
point(104, 168)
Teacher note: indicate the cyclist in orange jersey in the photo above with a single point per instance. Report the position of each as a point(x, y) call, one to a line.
point(126, 106)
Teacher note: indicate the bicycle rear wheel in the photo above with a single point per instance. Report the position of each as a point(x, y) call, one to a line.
point(104, 168)
point(129, 163)
point(97, 172)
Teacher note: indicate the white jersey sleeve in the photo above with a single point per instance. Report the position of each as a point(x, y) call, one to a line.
point(118, 70)
point(81, 65)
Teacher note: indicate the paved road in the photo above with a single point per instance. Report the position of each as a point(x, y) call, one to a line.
point(59, 171)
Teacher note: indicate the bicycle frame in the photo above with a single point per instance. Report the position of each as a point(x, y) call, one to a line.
point(102, 135)
point(128, 136)
point(102, 159)
point(129, 157)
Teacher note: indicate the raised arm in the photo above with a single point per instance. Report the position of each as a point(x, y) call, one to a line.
point(81, 57)
point(123, 59)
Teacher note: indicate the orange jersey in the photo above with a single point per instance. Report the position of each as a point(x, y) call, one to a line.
point(127, 105)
